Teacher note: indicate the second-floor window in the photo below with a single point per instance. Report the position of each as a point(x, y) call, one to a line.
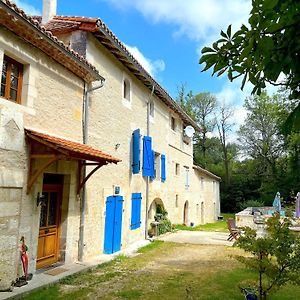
point(126, 89)
point(11, 80)
point(187, 177)
point(177, 169)
point(173, 123)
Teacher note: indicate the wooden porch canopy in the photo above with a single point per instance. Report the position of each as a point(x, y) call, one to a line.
point(52, 149)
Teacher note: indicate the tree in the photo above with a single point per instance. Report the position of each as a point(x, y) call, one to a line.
point(260, 53)
point(224, 125)
point(203, 106)
point(276, 257)
point(260, 135)
point(184, 100)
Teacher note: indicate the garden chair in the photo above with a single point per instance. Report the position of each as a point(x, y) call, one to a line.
point(234, 232)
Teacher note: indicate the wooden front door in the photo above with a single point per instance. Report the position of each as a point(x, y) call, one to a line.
point(48, 243)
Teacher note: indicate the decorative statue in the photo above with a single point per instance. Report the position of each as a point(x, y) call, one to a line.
point(298, 205)
point(277, 202)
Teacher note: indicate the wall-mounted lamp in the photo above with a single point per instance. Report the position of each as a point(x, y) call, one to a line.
point(40, 199)
point(117, 146)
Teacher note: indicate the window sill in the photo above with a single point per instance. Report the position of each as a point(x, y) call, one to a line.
point(16, 106)
point(126, 103)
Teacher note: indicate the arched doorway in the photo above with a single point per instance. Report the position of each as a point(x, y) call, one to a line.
point(155, 207)
point(156, 211)
point(186, 213)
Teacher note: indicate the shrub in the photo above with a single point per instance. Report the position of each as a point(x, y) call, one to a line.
point(251, 203)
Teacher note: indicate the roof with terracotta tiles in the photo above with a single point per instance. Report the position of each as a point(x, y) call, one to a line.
point(29, 29)
point(60, 25)
point(206, 172)
point(72, 149)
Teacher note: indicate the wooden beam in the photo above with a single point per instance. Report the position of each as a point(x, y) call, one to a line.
point(32, 178)
point(84, 180)
point(43, 155)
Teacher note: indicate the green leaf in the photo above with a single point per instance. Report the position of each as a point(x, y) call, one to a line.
point(223, 34)
point(208, 65)
point(222, 71)
point(208, 58)
point(230, 74)
point(229, 31)
point(244, 81)
point(207, 49)
point(238, 69)
point(292, 123)
point(269, 4)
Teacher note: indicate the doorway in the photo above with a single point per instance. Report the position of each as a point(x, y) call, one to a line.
point(49, 229)
point(186, 213)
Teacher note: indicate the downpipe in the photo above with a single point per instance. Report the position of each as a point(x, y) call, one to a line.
point(85, 124)
point(147, 178)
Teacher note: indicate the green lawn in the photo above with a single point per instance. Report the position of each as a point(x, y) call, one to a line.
point(163, 270)
point(219, 225)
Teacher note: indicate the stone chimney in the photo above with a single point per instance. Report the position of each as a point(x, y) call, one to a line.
point(49, 10)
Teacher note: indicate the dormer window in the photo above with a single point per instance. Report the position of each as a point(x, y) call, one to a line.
point(11, 80)
point(126, 89)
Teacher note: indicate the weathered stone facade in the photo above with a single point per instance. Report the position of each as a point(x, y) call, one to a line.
point(52, 100)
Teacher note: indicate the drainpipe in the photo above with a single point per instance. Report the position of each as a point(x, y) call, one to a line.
point(85, 123)
point(147, 178)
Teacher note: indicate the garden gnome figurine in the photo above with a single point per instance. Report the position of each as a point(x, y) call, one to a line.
point(298, 205)
point(277, 202)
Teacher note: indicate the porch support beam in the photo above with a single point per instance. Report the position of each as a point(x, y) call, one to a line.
point(33, 177)
point(82, 181)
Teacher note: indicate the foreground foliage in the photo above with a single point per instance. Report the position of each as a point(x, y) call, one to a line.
point(163, 270)
point(275, 257)
point(264, 50)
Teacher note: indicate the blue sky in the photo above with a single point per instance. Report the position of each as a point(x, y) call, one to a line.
point(166, 36)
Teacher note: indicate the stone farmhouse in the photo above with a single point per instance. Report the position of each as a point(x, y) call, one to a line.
point(90, 144)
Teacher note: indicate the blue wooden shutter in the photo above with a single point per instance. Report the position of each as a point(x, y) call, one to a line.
point(136, 210)
point(148, 159)
point(118, 223)
point(163, 168)
point(136, 151)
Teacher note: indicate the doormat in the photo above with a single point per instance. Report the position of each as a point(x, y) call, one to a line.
point(56, 271)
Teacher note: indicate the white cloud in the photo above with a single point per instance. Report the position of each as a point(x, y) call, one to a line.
point(152, 67)
point(28, 8)
point(198, 19)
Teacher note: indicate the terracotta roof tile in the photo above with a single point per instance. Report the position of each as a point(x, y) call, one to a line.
point(101, 31)
point(15, 18)
point(76, 150)
point(198, 168)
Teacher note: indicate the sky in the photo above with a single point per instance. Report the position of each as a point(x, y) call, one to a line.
point(166, 37)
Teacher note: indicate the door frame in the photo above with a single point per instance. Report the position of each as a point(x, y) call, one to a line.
point(59, 189)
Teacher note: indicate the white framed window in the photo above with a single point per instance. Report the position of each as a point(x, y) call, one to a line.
point(187, 177)
point(202, 183)
point(177, 168)
point(126, 91)
point(157, 165)
point(173, 123)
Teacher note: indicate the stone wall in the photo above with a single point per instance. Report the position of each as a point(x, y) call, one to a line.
point(52, 103)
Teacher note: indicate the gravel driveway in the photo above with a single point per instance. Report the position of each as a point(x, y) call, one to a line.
point(197, 237)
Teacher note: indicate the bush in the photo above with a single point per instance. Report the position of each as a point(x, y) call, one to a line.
point(164, 226)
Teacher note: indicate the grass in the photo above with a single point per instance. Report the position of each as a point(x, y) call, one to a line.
point(163, 270)
point(220, 225)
